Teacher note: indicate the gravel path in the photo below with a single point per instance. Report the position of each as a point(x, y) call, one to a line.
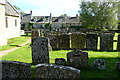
point(5, 52)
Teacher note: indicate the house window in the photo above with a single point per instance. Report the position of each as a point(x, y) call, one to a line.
point(15, 22)
point(6, 22)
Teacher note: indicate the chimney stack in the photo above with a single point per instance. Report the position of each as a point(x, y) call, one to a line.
point(31, 12)
point(76, 15)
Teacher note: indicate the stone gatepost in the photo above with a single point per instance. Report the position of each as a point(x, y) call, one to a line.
point(78, 41)
point(118, 43)
point(91, 41)
point(106, 41)
point(40, 52)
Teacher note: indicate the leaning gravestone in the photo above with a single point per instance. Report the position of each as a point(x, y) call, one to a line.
point(106, 41)
point(78, 41)
point(51, 71)
point(118, 43)
point(77, 59)
point(15, 70)
point(99, 64)
point(40, 52)
point(91, 41)
point(63, 41)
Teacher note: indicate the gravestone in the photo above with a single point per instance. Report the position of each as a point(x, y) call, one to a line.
point(60, 61)
point(51, 71)
point(91, 41)
point(118, 66)
point(77, 59)
point(15, 70)
point(78, 41)
point(53, 41)
point(99, 64)
point(40, 52)
point(118, 43)
point(35, 33)
point(106, 41)
point(63, 41)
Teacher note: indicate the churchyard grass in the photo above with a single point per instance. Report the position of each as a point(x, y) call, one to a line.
point(14, 42)
point(23, 54)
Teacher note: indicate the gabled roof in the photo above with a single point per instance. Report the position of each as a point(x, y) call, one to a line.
point(41, 18)
point(10, 10)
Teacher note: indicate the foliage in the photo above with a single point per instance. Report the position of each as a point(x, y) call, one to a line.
point(19, 10)
point(48, 26)
point(101, 15)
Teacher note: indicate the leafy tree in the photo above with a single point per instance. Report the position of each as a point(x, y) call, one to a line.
point(101, 15)
point(19, 10)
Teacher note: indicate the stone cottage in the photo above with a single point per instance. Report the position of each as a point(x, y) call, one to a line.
point(9, 21)
point(56, 22)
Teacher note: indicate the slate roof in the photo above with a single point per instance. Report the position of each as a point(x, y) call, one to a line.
point(10, 10)
point(26, 18)
point(41, 18)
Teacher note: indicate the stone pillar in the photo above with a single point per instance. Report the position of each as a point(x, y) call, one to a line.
point(63, 41)
point(106, 41)
point(78, 41)
point(40, 52)
point(77, 59)
point(118, 43)
point(91, 41)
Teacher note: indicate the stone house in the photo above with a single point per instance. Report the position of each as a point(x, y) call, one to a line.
point(56, 22)
point(9, 21)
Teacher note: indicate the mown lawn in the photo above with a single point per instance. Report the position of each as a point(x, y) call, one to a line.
point(24, 55)
point(14, 42)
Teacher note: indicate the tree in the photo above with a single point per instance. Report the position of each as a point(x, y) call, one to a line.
point(99, 15)
point(19, 10)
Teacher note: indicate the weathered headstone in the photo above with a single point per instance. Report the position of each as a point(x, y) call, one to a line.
point(118, 66)
point(106, 41)
point(40, 52)
point(91, 41)
point(53, 42)
point(51, 71)
point(78, 41)
point(35, 33)
point(77, 59)
point(15, 70)
point(99, 64)
point(63, 41)
point(60, 61)
point(118, 43)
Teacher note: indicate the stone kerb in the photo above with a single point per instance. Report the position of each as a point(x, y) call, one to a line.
point(106, 41)
point(40, 52)
point(56, 72)
point(91, 41)
point(14, 69)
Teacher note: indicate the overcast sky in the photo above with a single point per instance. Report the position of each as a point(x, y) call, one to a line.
point(45, 7)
